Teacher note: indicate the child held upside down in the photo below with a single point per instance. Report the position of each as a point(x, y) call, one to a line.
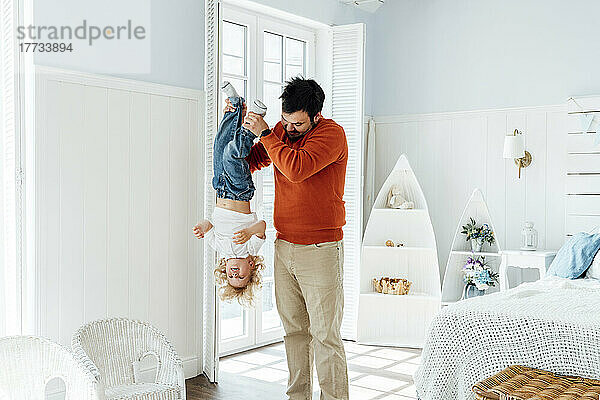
point(234, 231)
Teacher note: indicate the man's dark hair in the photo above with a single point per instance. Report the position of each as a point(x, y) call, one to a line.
point(300, 94)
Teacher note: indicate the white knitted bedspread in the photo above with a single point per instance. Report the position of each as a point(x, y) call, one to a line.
point(552, 324)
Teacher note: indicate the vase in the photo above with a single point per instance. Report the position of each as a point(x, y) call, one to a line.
point(471, 290)
point(476, 245)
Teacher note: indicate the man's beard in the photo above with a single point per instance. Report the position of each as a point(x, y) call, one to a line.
point(295, 135)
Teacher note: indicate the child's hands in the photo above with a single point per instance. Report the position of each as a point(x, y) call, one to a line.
point(241, 237)
point(255, 123)
point(198, 231)
point(230, 108)
point(201, 228)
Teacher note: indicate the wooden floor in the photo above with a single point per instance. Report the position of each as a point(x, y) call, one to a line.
point(231, 387)
point(375, 373)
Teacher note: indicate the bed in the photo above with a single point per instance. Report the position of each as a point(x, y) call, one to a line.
point(552, 324)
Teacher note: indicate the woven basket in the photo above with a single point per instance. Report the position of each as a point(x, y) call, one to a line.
point(391, 286)
point(519, 383)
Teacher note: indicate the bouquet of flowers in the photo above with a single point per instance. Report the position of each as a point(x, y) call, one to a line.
point(478, 235)
point(477, 272)
point(484, 233)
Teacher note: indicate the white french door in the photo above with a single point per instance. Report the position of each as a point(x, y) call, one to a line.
point(258, 55)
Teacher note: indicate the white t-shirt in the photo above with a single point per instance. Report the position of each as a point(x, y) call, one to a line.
point(220, 237)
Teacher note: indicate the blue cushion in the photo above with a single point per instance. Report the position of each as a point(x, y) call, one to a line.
point(575, 256)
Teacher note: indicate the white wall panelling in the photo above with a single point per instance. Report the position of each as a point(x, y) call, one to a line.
point(453, 153)
point(118, 188)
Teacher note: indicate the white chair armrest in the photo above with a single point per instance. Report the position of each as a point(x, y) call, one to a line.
point(170, 368)
point(83, 358)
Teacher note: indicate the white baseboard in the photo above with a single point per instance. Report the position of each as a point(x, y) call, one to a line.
point(192, 367)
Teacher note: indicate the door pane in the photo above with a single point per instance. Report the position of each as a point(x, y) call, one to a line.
point(233, 65)
point(270, 317)
point(292, 71)
point(234, 39)
point(273, 50)
point(294, 52)
point(271, 93)
point(272, 71)
point(294, 57)
point(233, 320)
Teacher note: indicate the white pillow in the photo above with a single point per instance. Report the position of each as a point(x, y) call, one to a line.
point(594, 269)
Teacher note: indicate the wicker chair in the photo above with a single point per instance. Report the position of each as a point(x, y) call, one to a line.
point(28, 363)
point(115, 345)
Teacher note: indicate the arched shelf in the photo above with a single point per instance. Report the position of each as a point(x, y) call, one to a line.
point(399, 320)
point(453, 286)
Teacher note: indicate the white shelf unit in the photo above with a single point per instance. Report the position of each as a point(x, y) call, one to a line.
point(582, 187)
point(453, 286)
point(399, 320)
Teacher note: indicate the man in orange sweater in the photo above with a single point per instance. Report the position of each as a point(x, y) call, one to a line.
point(309, 154)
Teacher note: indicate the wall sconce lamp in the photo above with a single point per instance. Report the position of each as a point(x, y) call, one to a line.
point(514, 147)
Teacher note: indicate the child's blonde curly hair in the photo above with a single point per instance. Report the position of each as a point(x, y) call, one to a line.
point(244, 295)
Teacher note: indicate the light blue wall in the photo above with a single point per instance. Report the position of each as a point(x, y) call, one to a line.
point(447, 55)
point(177, 33)
point(422, 55)
point(176, 29)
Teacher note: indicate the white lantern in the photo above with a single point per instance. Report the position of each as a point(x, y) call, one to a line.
point(529, 237)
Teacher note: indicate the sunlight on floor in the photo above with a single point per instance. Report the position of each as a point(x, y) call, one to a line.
point(374, 372)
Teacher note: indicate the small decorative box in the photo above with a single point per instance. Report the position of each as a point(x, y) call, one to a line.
point(387, 285)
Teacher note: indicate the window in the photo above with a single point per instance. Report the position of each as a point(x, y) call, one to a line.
point(234, 321)
point(278, 48)
point(235, 56)
point(258, 55)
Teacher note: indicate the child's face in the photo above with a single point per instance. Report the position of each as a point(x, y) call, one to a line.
point(239, 271)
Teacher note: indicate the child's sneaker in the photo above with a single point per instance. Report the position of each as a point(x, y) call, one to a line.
point(257, 107)
point(229, 89)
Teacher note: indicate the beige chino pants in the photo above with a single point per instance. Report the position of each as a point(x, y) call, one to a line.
point(310, 301)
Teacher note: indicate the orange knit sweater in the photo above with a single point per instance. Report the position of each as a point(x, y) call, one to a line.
point(310, 173)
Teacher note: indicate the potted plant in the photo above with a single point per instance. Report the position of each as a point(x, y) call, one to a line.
point(478, 235)
point(478, 277)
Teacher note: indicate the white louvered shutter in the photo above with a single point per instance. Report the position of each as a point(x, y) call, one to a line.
point(347, 101)
point(11, 188)
point(210, 347)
